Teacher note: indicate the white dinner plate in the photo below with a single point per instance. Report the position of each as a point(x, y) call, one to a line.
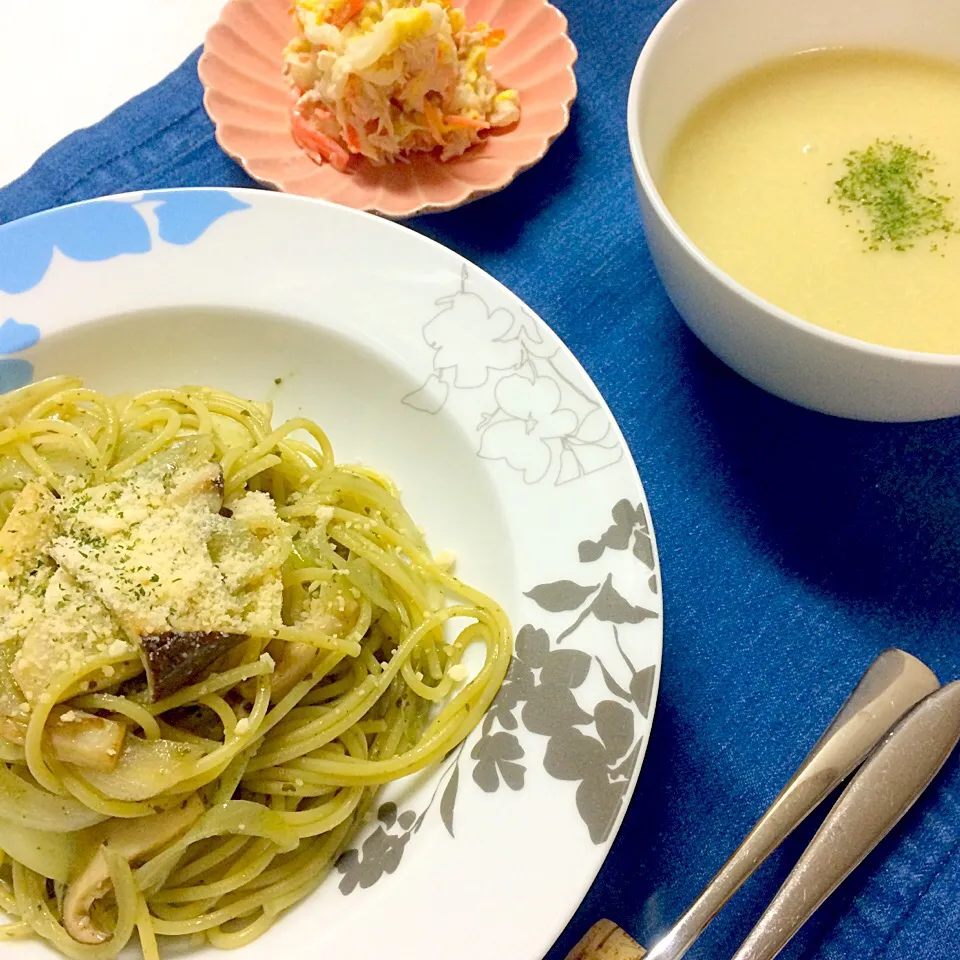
point(418, 363)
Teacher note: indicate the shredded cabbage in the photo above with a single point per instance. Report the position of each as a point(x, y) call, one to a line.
point(25, 804)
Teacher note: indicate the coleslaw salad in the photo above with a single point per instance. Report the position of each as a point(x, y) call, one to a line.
point(383, 79)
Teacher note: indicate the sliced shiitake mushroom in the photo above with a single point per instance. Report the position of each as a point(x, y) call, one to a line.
point(135, 841)
point(175, 660)
point(75, 736)
point(293, 662)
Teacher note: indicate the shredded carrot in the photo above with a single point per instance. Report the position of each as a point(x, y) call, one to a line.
point(346, 12)
point(326, 147)
point(495, 37)
point(353, 138)
point(471, 123)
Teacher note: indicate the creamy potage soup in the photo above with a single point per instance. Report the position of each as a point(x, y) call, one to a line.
point(828, 183)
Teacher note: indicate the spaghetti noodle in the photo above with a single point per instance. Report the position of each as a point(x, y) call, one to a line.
point(216, 644)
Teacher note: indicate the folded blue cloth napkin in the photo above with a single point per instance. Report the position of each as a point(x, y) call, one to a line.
point(794, 546)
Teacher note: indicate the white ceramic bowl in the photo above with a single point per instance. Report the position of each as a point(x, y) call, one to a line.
point(696, 47)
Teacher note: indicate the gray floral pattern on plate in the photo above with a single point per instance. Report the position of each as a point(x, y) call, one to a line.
point(597, 748)
point(529, 414)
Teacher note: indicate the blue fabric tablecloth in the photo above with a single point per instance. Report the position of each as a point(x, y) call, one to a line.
point(794, 546)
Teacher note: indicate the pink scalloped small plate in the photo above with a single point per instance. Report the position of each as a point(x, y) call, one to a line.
point(249, 102)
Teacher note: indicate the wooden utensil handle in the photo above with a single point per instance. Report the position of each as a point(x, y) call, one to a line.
point(606, 941)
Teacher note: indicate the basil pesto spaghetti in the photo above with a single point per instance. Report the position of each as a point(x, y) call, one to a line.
point(215, 645)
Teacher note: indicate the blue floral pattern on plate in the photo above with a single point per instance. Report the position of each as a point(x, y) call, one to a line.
point(89, 232)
